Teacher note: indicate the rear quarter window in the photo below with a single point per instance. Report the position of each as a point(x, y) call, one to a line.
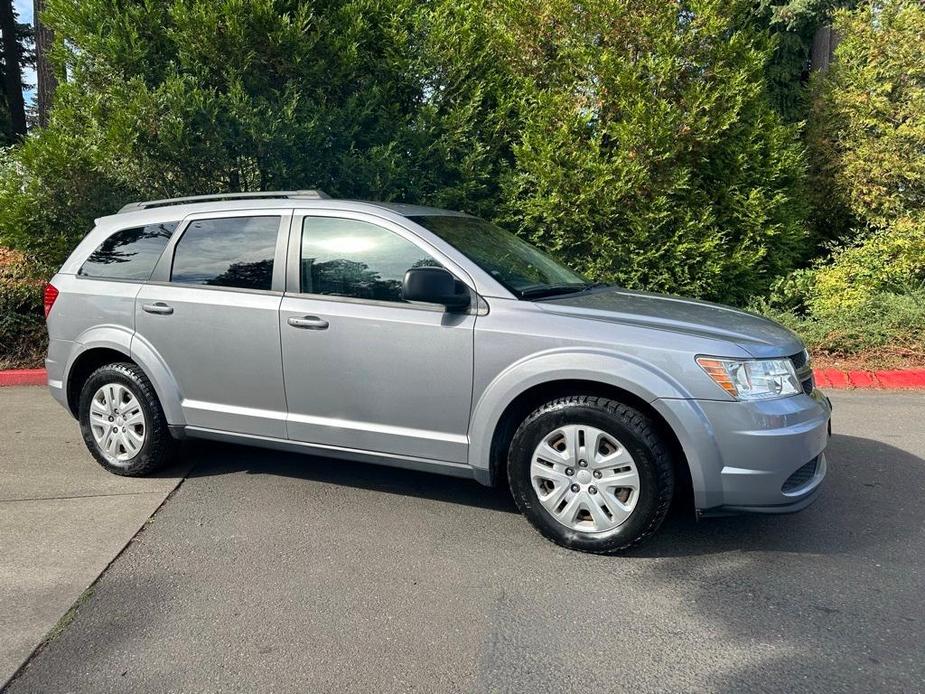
point(129, 254)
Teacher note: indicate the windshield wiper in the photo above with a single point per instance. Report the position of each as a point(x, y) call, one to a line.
point(555, 289)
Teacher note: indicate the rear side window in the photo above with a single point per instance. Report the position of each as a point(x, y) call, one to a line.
point(227, 252)
point(129, 254)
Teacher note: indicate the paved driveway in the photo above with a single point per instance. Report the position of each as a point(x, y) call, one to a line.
point(62, 518)
point(271, 572)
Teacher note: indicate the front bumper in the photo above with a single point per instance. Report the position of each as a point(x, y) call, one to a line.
point(763, 457)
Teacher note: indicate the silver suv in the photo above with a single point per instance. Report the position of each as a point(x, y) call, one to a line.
point(426, 339)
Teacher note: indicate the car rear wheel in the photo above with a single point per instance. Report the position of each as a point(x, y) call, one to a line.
point(591, 473)
point(122, 422)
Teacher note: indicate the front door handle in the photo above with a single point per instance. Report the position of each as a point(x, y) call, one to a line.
point(309, 323)
point(160, 308)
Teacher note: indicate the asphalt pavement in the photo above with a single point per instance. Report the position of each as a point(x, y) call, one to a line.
point(267, 571)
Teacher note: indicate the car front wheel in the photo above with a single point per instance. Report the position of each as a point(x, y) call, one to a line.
point(591, 473)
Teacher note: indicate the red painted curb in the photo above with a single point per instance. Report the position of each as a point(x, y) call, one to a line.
point(902, 379)
point(825, 378)
point(863, 379)
point(833, 378)
point(24, 377)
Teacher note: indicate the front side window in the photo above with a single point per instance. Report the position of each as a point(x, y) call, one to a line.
point(227, 252)
point(346, 257)
point(129, 254)
point(525, 270)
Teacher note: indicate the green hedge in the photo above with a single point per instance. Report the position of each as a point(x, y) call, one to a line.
point(634, 139)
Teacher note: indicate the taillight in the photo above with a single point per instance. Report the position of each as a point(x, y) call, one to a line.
point(51, 293)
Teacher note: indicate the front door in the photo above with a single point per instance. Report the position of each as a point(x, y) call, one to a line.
point(365, 370)
point(213, 319)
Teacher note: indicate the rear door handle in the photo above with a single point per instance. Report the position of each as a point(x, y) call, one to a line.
point(160, 308)
point(309, 323)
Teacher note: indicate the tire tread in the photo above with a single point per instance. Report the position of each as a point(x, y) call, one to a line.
point(161, 447)
point(647, 431)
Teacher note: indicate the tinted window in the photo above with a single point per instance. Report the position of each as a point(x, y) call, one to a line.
point(522, 268)
point(129, 254)
point(345, 257)
point(228, 252)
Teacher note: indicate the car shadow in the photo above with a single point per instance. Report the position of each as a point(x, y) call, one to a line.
point(210, 459)
point(862, 474)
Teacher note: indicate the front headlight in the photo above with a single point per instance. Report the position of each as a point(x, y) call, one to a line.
point(753, 379)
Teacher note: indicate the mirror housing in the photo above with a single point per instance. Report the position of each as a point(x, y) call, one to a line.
point(434, 285)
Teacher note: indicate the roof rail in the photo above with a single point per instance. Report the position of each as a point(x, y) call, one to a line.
point(287, 194)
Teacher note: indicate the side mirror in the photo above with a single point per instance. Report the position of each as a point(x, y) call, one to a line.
point(434, 285)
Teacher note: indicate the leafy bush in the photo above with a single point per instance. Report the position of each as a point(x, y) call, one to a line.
point(888, 322)
point(22, 330)
point(868, 120)
point(889, 259)
point(50, 193)
point(632, 138)
point(867, 136)
point(647, 153)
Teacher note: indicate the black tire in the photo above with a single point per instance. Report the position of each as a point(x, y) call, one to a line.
point(642, 440)
point(158, 449)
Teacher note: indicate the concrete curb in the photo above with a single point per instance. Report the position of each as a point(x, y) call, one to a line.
point(891, 380)
point(825, 378)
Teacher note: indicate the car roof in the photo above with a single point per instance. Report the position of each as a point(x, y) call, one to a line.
point(172, 209)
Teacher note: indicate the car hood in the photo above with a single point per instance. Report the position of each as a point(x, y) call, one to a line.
point(758, 336)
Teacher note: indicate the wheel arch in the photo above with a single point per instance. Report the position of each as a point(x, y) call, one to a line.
point(119, 346)
point(527, 384)
point(536, 395)
point(88, 361)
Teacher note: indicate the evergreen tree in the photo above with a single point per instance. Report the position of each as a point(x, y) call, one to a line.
point(634, 139)
point(12, 53)
point(46, 80)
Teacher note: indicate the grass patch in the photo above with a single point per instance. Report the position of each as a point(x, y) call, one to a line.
point(68, 618)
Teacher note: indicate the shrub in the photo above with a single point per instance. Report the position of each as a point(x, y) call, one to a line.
point(647, 153)
point(867, 136)
point(22, 330)
point(889, 259)
point(50, 193)
point(868, 121)
point(632, 138)
point(887, 322)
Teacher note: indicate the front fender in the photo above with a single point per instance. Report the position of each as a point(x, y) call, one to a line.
point(623, 371)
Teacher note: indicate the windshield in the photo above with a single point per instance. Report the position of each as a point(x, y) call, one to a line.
point(523, 269)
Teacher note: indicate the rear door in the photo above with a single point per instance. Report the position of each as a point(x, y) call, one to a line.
point(365, 370)
point(211, 312)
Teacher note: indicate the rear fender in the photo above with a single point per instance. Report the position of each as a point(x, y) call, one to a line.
point(121, 339)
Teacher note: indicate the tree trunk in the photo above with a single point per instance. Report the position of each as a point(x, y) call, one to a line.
point(823, 50)
point(12, 76)
point(45, 75)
